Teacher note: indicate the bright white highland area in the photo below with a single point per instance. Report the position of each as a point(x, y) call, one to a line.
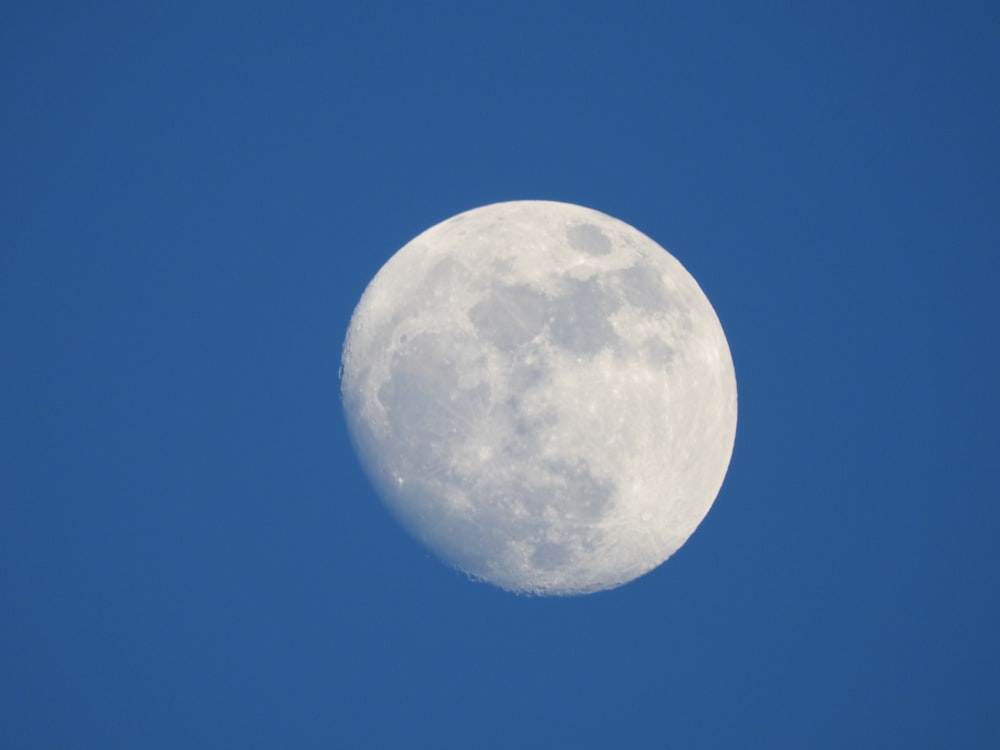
point(542, 395)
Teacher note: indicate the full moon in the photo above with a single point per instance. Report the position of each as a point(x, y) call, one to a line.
point(542, 395)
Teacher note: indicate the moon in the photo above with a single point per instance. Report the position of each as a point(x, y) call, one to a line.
point(542, 395)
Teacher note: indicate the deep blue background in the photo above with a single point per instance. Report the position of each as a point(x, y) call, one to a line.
point(192, 200)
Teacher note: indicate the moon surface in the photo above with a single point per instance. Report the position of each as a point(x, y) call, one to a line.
point(542, 395)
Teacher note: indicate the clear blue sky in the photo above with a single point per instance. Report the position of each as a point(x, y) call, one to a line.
point(192, 200)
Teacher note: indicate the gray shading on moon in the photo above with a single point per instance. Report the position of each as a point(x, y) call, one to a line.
point(542, 395)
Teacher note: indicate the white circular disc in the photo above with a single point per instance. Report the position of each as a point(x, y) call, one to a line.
point(542, 395)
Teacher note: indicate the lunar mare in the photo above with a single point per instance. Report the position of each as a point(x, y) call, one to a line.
point(542, 395)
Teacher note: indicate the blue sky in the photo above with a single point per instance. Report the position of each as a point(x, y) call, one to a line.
point(192, 200)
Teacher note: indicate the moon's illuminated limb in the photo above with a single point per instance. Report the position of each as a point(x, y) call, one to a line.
point(542, 394)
